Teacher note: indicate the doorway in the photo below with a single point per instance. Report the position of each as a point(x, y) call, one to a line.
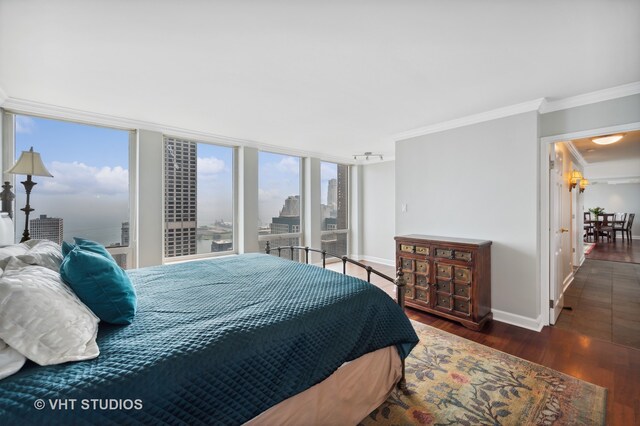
point(549, 297)
point(602, 300)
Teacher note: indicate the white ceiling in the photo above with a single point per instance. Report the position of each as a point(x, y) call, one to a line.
point(337, 77)
point(626, 149)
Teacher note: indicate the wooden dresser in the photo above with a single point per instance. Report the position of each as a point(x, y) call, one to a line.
point(450, 277)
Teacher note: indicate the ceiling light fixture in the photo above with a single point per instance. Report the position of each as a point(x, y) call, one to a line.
point(607, 140)
point(366, 155)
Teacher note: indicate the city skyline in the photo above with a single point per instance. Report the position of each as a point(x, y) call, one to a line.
point(90, 187)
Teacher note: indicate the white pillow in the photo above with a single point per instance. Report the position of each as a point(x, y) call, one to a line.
point(34, 252)
point(10, 360)
point(42, 318)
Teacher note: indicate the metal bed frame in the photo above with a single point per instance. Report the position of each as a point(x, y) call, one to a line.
point(399, 281)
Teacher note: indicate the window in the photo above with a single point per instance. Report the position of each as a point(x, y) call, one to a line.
point(198, 198)
point(89, 194)
point(279, 204)
point(334, 216)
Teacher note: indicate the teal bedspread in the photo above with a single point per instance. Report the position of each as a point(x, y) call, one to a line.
point(214, 342)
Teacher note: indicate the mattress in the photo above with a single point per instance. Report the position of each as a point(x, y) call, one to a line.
point(214, 342)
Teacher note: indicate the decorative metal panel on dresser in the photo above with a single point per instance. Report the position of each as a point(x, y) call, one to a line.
point(450, 277)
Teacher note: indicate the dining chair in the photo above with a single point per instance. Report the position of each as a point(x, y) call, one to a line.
point(628, 227)
point(589, 230)
point(606, 228)
point(619, 222)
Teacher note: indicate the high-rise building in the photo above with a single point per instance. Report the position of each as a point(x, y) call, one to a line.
point(332, 194)
point(289, 219)
point(46, 228)
point(180, 197)
point(124, 234)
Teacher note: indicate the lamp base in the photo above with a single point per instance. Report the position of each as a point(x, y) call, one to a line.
point(28, 186)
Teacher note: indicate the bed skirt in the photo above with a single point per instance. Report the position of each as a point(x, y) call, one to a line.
point(344, 398)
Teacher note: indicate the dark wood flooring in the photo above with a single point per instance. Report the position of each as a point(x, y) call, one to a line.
point(611, 365)
point(605, 301)
point(616, 251)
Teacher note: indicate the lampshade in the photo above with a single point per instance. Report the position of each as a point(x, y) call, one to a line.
point(29, 163)
point(584, 183)
point(575, 176)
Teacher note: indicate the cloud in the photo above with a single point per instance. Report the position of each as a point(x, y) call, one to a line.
point(210, 165)
point(288, 165)
point(78, 178)
point(24, 124)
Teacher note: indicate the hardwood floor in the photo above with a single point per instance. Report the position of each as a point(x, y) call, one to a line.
point(616, 251)
point(606, 364)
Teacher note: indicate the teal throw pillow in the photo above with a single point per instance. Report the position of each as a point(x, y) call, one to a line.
point(87, 245)
point(100, 284)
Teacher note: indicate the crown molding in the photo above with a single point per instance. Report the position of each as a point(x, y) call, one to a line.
point(471, 119)
point(591, 98)
point(23, 106)
point(576, 154)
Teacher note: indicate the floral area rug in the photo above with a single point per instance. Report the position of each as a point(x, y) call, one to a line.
point(454, 381)
point(588, 247)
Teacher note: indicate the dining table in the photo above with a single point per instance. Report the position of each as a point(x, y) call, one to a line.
point(597, 225)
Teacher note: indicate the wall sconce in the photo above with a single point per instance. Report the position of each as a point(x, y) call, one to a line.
point(573, 180)
point(583, 184)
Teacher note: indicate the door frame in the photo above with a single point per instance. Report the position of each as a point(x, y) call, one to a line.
point(546, 244)
point(556, 278)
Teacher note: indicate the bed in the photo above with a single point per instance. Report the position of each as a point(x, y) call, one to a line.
point(240, 339)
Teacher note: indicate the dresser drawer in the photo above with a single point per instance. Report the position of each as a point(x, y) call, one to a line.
point(422, 294)
point(443, 271)
point(461, 306)
point(422, 266)
point(443, 252)
point(409, 279)
point(409, 292)
point(462, 274)
point(407, 248)
point(443, 301)
point(408, 265)
point(422, 280)
point(422, 250)
point(463, 290)
point(463, 255)
point(443, 286)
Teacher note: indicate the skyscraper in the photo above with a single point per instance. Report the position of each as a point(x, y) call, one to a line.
point(180, 197)
point(332, 194)
point(46, 228)
point(124, 234)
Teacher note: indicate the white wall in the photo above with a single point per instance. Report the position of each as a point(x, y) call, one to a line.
point(479, 181)
point(623, 198)
point(378, 205)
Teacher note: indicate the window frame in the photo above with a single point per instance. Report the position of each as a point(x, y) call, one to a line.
point(300, 234)
point(346, 230)
point(234, 206)
point(8, 155)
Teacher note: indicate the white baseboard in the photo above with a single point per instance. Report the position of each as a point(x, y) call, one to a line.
point(518, 320)
point(582, 259)
point(374, 259)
